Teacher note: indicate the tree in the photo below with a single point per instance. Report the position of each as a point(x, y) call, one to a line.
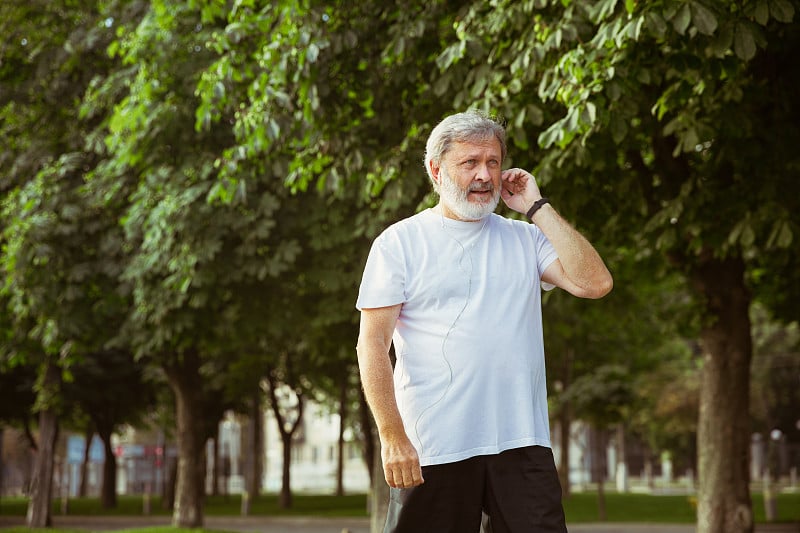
point(212, 238)
point(287, 399)
point(50, 53)
point(194, 262)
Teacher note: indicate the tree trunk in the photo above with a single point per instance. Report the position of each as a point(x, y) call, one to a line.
point(285, 498)
point(340, 445)
point(170, 482)
point(186, 382)
point(565, 427)
point(83, 488)
point(723, 433)
point(622, 461)
point(2, 465)
point(215, 467)
point(379, 491)
point(39, 515)
point(108, 491)
point(286, 428)
point(256, 445)
point(600, 472)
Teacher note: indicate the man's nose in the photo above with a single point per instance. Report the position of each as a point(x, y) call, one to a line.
point(483, 173)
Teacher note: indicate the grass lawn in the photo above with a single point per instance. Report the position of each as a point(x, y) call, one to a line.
point(265, 505)
point(48, 530)
point(580, 508)
point(141, 530)
point(677, 509)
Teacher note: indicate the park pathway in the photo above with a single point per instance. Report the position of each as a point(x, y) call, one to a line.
point(327, 525)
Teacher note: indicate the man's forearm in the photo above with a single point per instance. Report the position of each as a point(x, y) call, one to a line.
point(376, 378)
point(581, 262)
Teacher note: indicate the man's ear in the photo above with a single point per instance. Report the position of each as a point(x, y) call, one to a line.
point(435, 171)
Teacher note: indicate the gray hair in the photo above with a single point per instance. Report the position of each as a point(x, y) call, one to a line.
point(469, 126)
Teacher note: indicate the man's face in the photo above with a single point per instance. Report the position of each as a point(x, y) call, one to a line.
point(469, 179)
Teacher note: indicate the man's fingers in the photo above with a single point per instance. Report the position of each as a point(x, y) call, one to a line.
point(411, 477)
point(514, 180)
point(394, 476)
point(404, 477)
point(401, 465)
point(408, 479)
point(416, 478)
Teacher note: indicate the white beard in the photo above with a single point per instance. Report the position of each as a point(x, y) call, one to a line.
point(456, 200)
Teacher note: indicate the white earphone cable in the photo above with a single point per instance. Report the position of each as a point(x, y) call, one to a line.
point(455, 320)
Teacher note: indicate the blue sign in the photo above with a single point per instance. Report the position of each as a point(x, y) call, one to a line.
point(76, 445)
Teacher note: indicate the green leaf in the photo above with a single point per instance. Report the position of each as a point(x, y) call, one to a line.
point(782, 10)
point(312, 53)
point(602, 9)
point(722, 40)
point(219, 90)
point(535, 114)
point(636, 29)
point(744, 43)
point(589, 114)
point(441, 84)
point(613, 90)
point(781, 235)
point(656, 23)
point(313, 97)
point(551, 135)
point(761, 12)
point(274, 129)
point(619, 129)
point(682, 19)
point(449, 55)
point(690, 139)
point(704, 20)
point(748, 236)
point(785, 236)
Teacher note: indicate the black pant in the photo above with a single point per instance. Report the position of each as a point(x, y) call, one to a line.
point(518, 489)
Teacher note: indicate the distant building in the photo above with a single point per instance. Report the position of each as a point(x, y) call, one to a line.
point(314, 454)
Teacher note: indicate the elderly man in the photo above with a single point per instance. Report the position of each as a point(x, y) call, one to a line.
point(462, 417)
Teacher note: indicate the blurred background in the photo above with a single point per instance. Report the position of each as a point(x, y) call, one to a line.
point(190, 189)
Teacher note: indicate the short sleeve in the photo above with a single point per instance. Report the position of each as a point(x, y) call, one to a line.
point(383, 281)
point(545, 255)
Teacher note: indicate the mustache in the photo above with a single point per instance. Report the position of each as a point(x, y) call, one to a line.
point(481, 186)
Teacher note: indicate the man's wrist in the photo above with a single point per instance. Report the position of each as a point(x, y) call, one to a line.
point(392, 431)
point(536, 206)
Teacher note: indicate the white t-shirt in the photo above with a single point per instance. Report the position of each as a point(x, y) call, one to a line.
point(470, 373)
